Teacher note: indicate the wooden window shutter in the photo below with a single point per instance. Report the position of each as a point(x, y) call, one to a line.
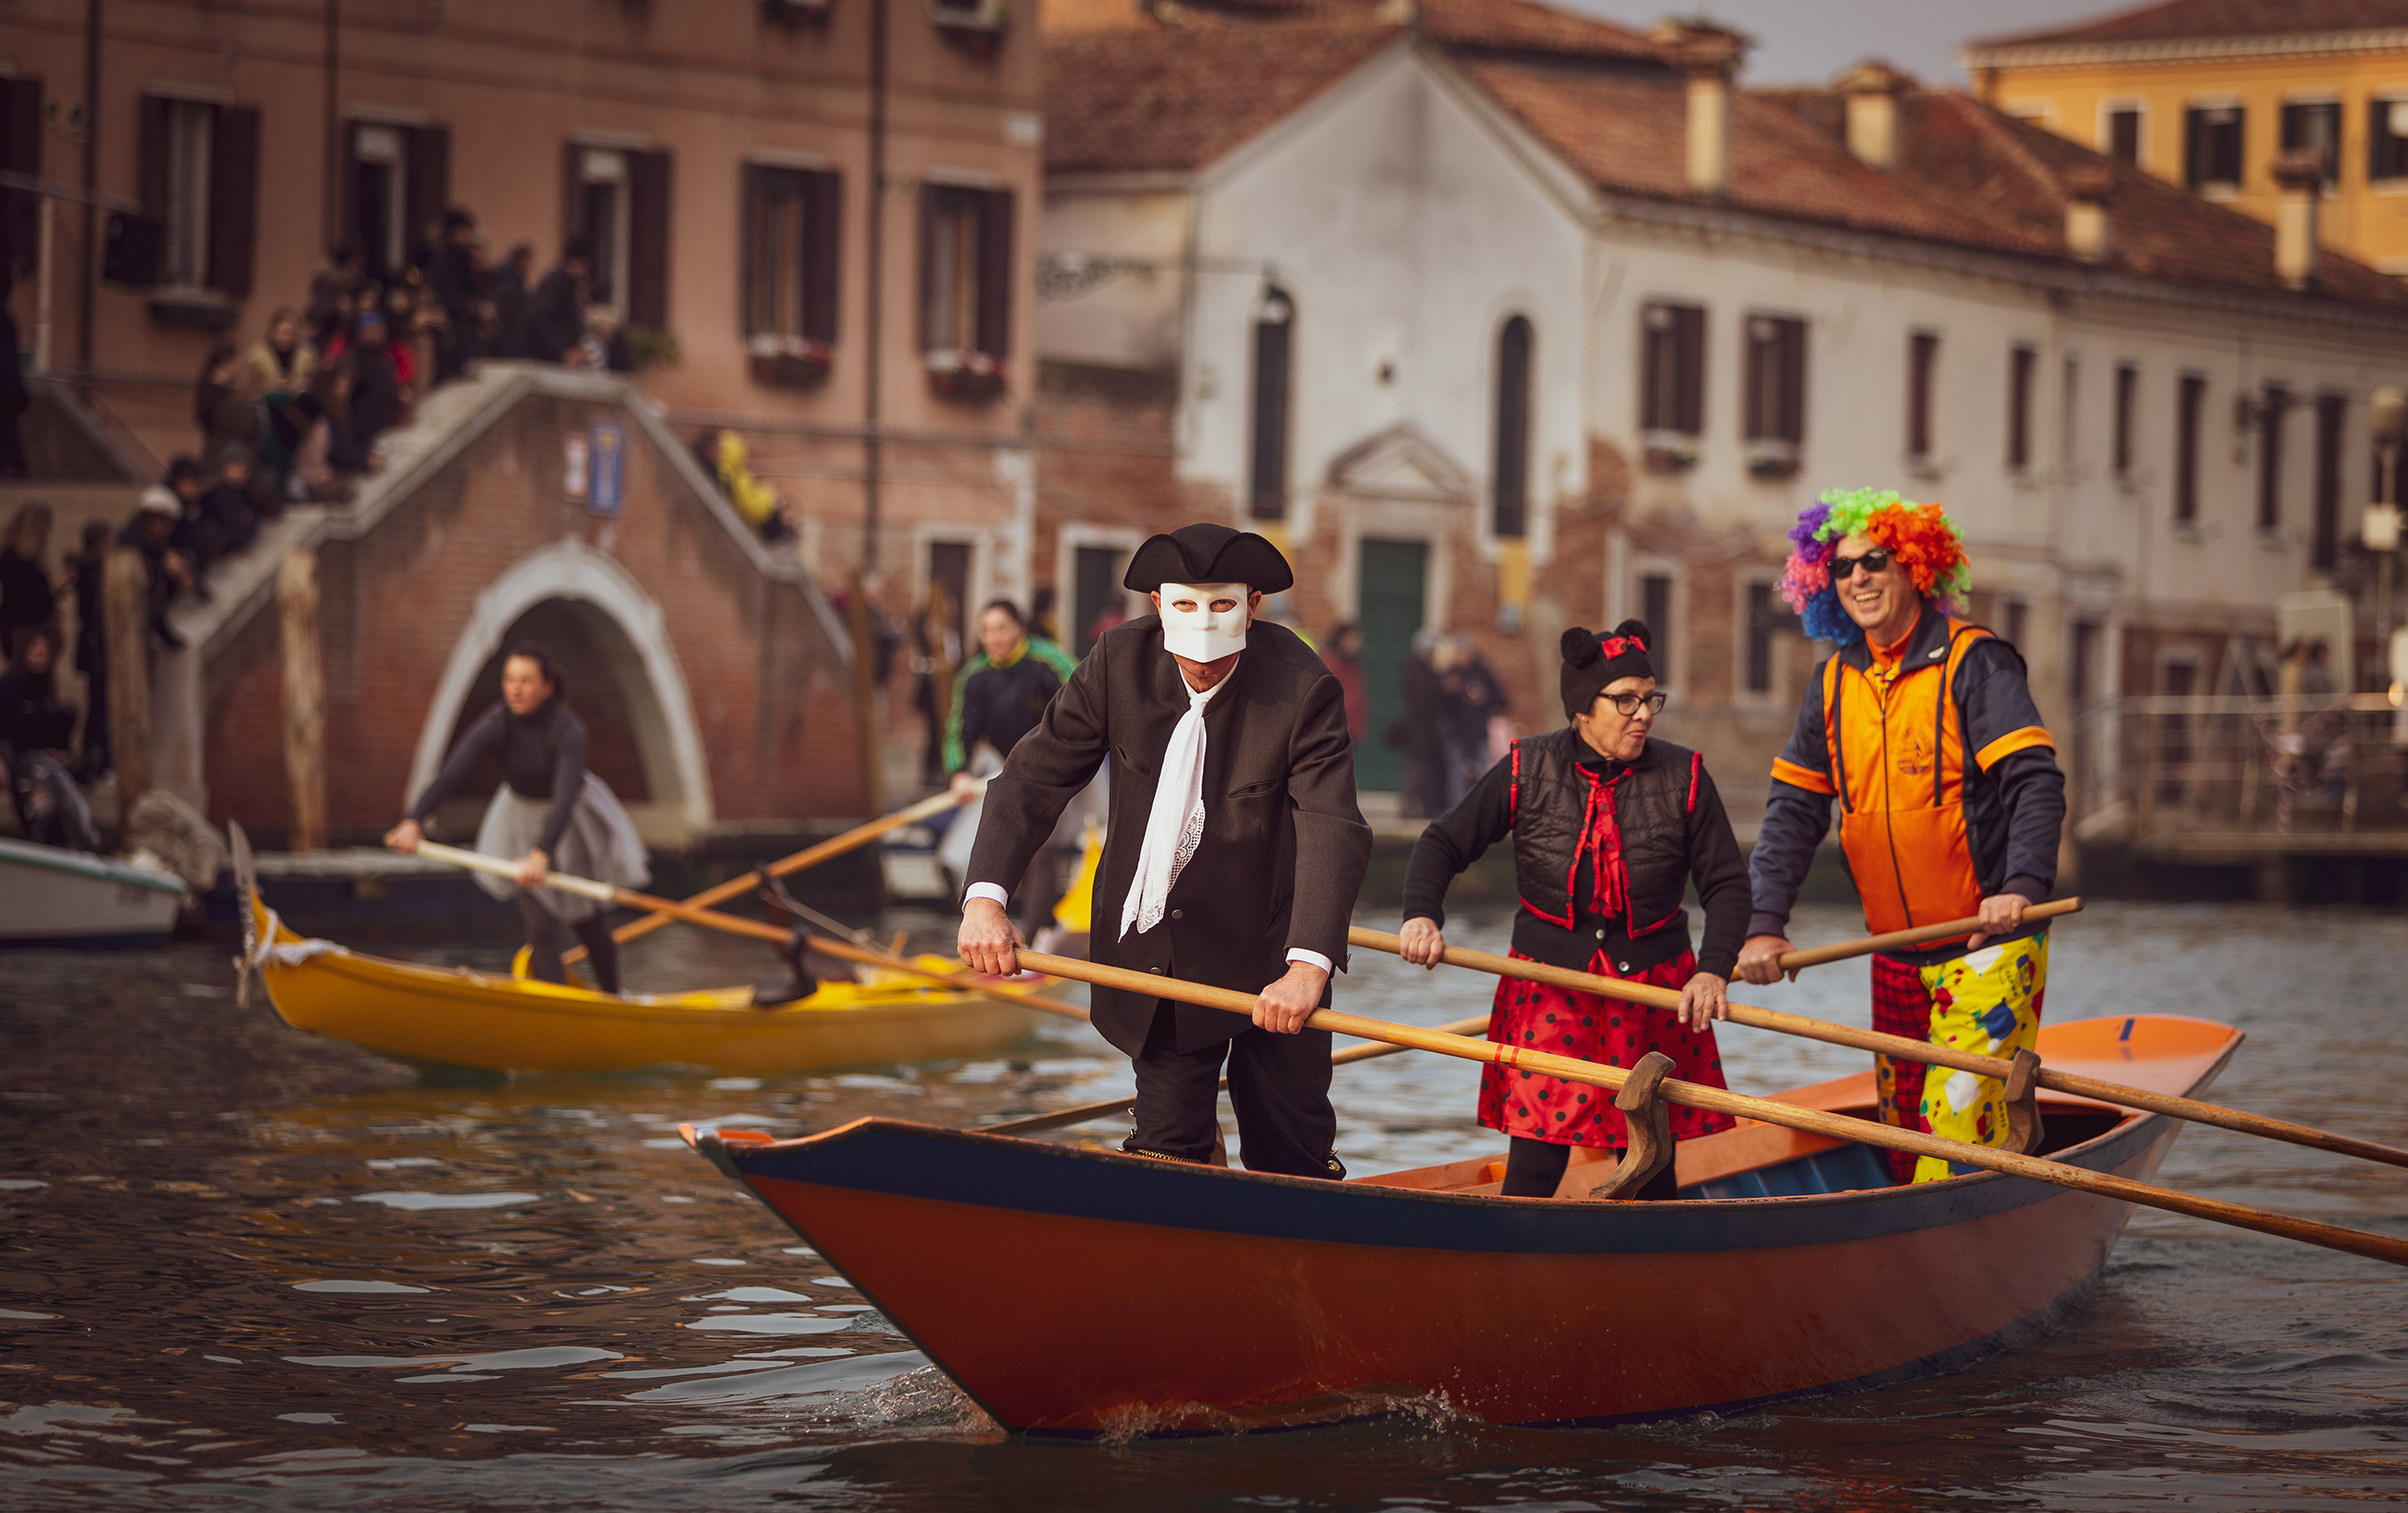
point(20, 151)
point(1793, 380)
point(648, 239)
point(1757, 424)
point(750, 178)
point(427, 191)
point(347, 229)
point(155, 158)
point(572, 192)
point(234, 198)
point(1690, 369)
point(928, 194)
point(995, 273)
point(823, 253)
point(1654, 354)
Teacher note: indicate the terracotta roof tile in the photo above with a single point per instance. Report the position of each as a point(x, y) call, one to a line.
point(1519, 26)
point(2195, 20)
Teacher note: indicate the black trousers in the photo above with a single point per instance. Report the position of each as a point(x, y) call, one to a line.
point(1534, 1167)
point(1278, 1083)
point(548, 938)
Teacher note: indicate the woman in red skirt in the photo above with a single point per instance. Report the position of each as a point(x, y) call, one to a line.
point(1609, 828)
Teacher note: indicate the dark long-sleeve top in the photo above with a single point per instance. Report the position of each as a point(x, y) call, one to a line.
point(1460, 837)
point(27, 597)
point(556, 317)
point(997, 705)
point(31, 719)
point(542, 757)
point(2014, 807)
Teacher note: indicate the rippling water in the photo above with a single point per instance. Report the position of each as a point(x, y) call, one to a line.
point(241, 1266)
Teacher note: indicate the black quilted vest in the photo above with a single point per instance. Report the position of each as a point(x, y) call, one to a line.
point(1649, 804)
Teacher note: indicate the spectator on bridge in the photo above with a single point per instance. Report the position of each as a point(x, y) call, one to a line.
point(377, 396)
point(723, 455)
point(35, 727)
point(92, 646)
point(281, 363)
point(334, 298)
point(556, 317)
point(29, 591)
point(510, 302)
point(458, 285)
point(13, 398)
point(153, 533)
point(227, 416)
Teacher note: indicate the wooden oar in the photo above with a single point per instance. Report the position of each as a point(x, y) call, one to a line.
point(602, 892)
point(810, 856)
point(1913, 1050)
point(1838, 1126)
point(1081, 1113)
point(1840, 951)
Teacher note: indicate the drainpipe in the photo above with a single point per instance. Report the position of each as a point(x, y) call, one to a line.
point(330, 214)
point(85, 287)
point(872, 334)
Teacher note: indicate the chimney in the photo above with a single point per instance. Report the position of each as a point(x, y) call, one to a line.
point(1872, 88)
point(2088, 188)
point(1708, 56)
point(2299, 174)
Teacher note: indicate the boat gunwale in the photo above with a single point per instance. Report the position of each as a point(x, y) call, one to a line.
point(87, 866)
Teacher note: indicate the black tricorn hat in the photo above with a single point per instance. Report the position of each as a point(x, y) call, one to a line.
point(1208, 553)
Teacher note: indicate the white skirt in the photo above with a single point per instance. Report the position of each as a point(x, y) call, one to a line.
point(600, 843)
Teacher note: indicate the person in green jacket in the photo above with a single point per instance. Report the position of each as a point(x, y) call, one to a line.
point(999, 696)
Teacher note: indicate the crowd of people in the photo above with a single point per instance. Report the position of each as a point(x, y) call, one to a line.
point(1453, 724)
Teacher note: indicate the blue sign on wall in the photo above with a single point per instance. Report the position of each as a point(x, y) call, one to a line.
point(609, 467)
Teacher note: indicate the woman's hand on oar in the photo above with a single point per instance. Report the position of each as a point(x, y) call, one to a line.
point(1764, 1110)
point(1765, 959)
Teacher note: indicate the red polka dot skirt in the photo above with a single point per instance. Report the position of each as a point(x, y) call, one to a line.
point(1537, 1016)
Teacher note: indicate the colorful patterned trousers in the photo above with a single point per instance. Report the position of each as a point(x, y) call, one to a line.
point(1987, 1002)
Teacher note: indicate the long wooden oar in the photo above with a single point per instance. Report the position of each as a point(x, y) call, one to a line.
point(602, 892)
point(810, 856)
point(1913, 1050)
point(1923, 934)
point(1838, 1126)
point(1081, 1113)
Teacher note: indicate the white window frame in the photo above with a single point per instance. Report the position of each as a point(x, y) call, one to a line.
point(1740, 693)
point(1068, 538)
point(598, 164)
point(2112, 105)
point(381, 142)
point(192, 129)
point(1644, 566)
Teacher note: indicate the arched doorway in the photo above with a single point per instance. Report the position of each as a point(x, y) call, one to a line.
point(623, 681)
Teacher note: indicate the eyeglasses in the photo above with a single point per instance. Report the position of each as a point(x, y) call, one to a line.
point(1844, 568)
point(1628, 703)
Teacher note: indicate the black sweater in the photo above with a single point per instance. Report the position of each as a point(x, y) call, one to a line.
point(31, 719)
point(542, 757)
point(1458, 838)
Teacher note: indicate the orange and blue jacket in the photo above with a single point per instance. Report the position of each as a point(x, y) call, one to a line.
point(1948, 783)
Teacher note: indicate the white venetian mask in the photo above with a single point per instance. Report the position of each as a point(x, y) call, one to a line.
point(1193, 628)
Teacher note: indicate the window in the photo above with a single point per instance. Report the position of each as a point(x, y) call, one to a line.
point(2124, 135)
point(965, 270)
point(2022, 363)
point(2127, 395)
point(2386, 140)
point(2212, 147)
point(1512, 428)
point(1766, 616)
point(790, 252)
point(20, 152)
point(1655, 608)
point(2271, 407)
point(621, 199)
point(397, 185)
point(1274, 359)
point(2082, 667)
point(1096, 574)
point(1776, 394)
point(1671, 372)
point(2324, 540)
point(200, 182)
point(2317, 128)
point(2190, 399)
point(2015, 619)
point(1922, 367)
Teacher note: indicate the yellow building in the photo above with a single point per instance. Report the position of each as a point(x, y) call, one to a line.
point(2209, 92)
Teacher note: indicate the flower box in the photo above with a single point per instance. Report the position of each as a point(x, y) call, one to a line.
point(1668, 452)
point(788, 362)
point(1772, 460)
point(972, 378)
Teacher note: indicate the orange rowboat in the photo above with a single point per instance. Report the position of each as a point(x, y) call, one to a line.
point(1792, 1270)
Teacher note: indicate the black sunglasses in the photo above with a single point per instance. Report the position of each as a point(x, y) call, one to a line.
point(1628, 703)
point(1844, 568)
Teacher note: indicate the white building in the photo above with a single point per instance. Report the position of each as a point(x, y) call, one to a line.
point(1510, 320)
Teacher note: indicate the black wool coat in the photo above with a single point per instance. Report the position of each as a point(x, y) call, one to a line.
point(1285, 844)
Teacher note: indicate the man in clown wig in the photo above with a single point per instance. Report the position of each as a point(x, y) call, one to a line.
point(1922, 726)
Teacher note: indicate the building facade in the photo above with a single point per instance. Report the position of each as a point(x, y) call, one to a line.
point(1503, 332)
point(2209, 94)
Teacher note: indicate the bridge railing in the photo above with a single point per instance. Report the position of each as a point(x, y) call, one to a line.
point(2167, 769)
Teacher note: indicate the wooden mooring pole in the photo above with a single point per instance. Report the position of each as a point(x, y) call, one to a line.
point(865, 699)
point(126, 599)
point(305, 698)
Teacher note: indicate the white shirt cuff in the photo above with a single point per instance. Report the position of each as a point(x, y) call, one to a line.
point(987, 889)
point(1312, 958)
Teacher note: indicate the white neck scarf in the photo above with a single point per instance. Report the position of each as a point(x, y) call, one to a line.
point(1176, 822)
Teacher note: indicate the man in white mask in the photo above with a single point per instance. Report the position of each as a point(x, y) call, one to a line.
point(1233, 857)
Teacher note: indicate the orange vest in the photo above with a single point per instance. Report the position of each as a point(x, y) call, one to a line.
point(1897, 763)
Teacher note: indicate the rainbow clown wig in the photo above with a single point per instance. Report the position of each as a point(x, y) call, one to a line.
point(1919, 537)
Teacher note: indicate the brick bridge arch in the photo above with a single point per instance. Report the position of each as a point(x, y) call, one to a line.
point(667, 738)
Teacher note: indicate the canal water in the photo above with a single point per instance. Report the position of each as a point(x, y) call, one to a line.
point(243, 1266)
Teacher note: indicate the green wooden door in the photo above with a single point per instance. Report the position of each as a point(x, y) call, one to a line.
point(1390, 612)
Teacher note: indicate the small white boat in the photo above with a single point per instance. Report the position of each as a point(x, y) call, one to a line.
point(51, 896)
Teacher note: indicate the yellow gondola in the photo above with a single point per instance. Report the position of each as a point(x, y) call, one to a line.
point(487, 1020)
